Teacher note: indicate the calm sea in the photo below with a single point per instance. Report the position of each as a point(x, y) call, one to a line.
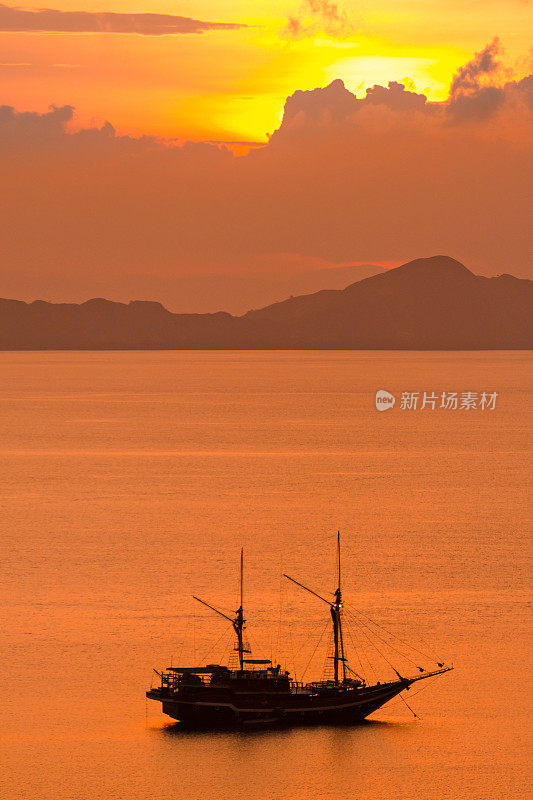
point(129, 481)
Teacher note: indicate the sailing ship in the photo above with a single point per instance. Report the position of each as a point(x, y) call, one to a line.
point(258, 691)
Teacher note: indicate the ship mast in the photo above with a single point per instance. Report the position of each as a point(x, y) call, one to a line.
point(336, 610)
point(238, 621)
point(336, 616)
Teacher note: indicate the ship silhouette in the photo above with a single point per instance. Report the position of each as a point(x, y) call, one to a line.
point(260, 692)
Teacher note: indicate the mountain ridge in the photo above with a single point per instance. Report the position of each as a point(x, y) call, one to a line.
point(428, 303)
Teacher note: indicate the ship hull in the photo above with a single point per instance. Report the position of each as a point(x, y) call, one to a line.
point(228, 709)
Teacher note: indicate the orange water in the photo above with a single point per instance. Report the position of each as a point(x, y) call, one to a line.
point(130, 481)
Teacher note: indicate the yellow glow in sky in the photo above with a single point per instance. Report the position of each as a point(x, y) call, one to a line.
point(231, 85)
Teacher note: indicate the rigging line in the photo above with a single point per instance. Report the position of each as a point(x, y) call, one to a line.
point(281, 586)
point(303, 647)
point(292, 651)
point(423, 641)
point(259, 644)
point(385, 642)
point(427, 686)
point(395, 636)
point(396, 650)
point(180, 649)
point(362, 625)
point(374, 645)
point(356, 651)
point(403, 655)
point(194, 633)
point(327, 666)
point(415, 715)
point(370, 666)
point(228, 650)
point(249, 650)
point(253, 644)
point(253, 647)
point(212, 648)
point(362, 675)
point(316, 648)
point(354, 644)
point(184, 644)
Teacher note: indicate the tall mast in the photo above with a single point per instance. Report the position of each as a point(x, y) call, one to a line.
point(336, 613)
point(238, 621)
point(339, 559)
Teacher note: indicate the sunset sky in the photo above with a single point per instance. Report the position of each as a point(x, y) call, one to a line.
point(231, 84)
point(109, 211)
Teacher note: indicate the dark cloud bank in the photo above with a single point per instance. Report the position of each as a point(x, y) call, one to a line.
point(382, 178)
point(15, 19)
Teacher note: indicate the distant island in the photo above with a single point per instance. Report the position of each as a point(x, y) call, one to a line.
point(427, 304)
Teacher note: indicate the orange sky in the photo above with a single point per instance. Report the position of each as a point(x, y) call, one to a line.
point(231, 84)
point(426, 148)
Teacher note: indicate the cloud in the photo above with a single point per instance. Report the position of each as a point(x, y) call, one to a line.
point(336, 105)
point(524, 89)
point(478, 92)
point(380, 178)
point(318, 16)
point(469, 78)
point(476, 105)
point(13, 18)
point(397, 97)
point(21, 128)
point(474, 93)
point(323, 109)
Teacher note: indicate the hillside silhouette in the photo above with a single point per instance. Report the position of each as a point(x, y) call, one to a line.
point(427, 304)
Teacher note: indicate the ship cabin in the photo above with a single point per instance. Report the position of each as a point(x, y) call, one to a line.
point(256, 675)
